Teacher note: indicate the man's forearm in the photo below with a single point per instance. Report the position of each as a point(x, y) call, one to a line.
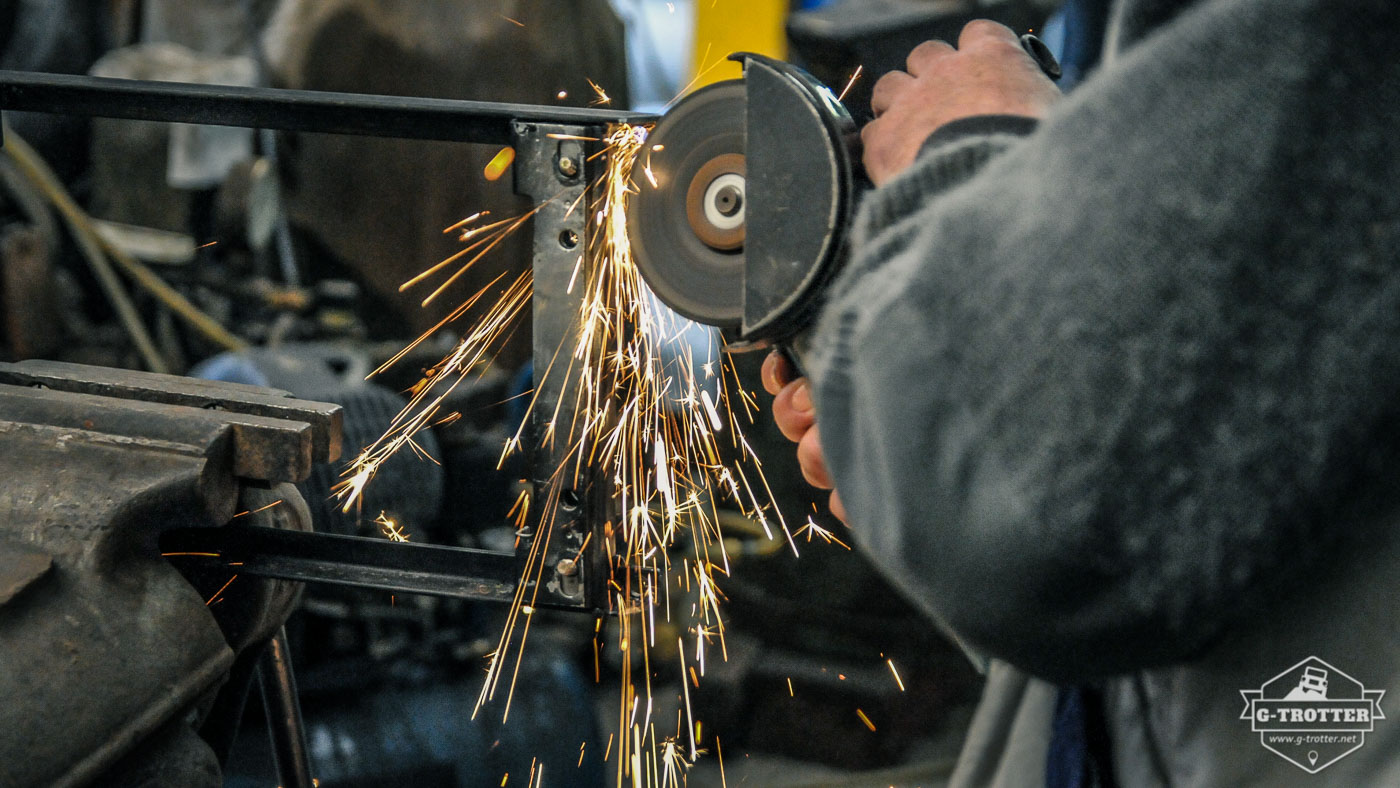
point(1085, 405)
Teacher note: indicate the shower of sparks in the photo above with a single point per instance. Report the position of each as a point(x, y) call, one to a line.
point(674, 765)
point(812, 529)
point(659, 426)
point(391, 530)
point(602, 98)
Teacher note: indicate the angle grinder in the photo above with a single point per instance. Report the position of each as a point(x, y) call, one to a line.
point(742, 220)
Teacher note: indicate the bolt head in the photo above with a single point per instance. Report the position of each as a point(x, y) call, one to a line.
point(729, 200)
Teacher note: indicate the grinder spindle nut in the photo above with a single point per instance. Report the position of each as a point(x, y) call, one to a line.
point(723, 174)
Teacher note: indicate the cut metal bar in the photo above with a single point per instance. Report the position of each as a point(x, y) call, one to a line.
point(404, 567)
point(289, 110)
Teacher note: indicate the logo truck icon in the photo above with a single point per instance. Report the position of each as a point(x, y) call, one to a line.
point(1314, 681)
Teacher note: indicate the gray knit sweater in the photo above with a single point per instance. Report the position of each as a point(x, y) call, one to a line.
point(1096, 395)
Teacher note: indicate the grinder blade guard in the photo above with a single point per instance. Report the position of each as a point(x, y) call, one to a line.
point(744, 216)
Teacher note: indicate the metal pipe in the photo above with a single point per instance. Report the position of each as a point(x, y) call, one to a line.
point(289, 110)
point(284, 725)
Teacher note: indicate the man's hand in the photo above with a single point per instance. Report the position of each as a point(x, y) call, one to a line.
point(796, 418)
point(988, 74)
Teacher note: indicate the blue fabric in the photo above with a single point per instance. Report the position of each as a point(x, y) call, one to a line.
point(1079, 755)
point(1066, 763)
point(230, 368)
point(1075, 34)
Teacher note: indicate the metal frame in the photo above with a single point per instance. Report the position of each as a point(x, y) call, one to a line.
point(325, 112)
point(553, 167)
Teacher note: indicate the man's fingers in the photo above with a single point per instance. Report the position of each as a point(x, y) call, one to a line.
point(809, 456)
point(777, 372)
point(793, 411)
point(924, 56)
point(984, 31)
point(884, 92)
point(869, 133)
point(837, 508)
point(874, 141)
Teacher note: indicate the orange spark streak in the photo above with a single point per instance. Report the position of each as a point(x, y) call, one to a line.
point(897, 679)
point(255, 511)
point(463, 223)
point(222, 588)
point(865, 719)
point(855, 76)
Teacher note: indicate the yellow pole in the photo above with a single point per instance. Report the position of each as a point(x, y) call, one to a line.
point(726, 26)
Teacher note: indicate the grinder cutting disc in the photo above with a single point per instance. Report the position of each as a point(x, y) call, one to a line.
point(687, 233)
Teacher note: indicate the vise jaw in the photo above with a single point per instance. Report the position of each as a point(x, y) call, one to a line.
point(102, 641)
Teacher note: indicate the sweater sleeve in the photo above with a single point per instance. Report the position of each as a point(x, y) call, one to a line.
point(1109, 395)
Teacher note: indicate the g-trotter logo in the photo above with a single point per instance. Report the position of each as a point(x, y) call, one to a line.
point(1312, 714)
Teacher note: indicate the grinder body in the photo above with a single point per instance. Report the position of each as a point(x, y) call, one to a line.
point(751, 186)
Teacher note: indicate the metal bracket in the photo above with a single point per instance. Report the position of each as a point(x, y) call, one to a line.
point(553, 169)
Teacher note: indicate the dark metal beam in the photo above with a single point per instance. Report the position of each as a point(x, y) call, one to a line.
point(405, 567)
point(288, 110)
